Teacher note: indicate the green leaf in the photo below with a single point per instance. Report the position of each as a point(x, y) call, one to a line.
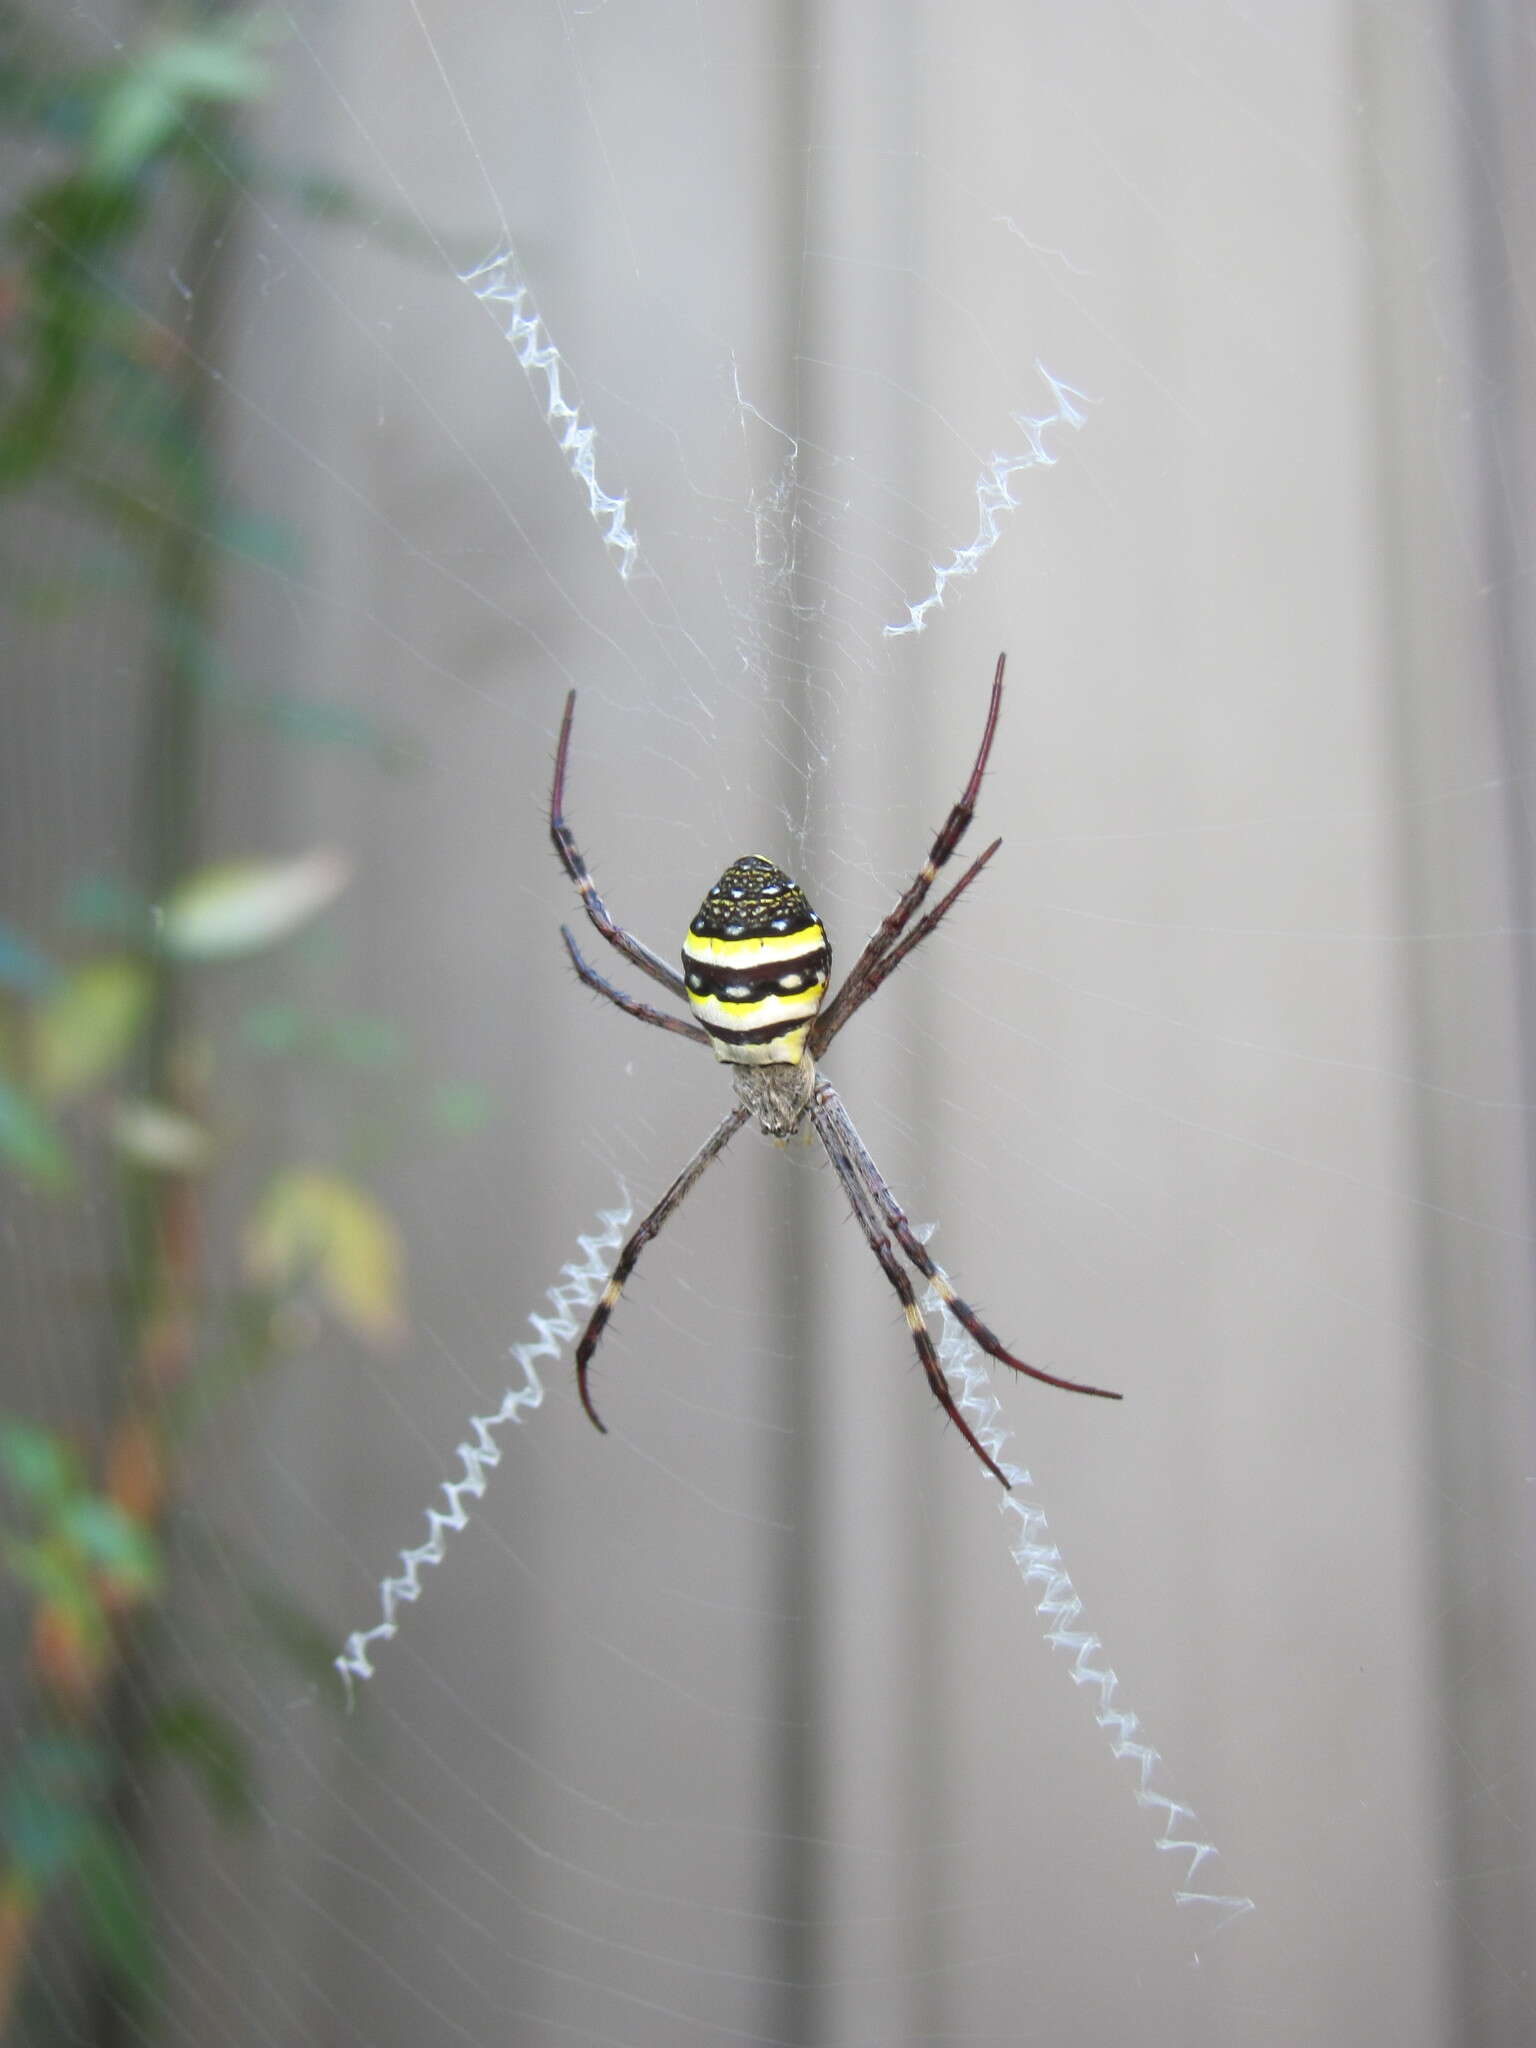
point(323, 196)
point(149, 99)
point(459, 1107)
point(367, 1041)
point(63, 223)
point(122, 1550)
point(312, 1222)
point(21, 965)
point(54, 1571)
point(137, 119)
point(107, 905)
point(243, 906)
point(28, 1140)
point(39, 1464)
point(318, 721)
point(269, 543)
point(45, 1569)
point(86, 1028)
point(46, 1805)
point(307, 1643)
point(272, 1027)
point(199, 1735)
point(43, 1837)
point(160, 1139)
point(115, 1909)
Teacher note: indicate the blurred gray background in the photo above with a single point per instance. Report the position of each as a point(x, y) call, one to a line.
point(739, 1724)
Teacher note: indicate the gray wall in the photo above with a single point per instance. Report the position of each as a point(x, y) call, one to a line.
point(738, 1723)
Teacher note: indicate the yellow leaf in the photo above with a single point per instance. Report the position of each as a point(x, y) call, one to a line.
point(163, 1139)
point(85, 1027)
point(314, 1224)
point(245, 905)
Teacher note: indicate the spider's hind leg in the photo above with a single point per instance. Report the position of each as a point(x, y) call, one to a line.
point(829, 1131)
point(895, 1218)
point(597, 1322)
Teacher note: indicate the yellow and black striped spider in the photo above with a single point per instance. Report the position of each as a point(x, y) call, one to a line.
point(756, 964)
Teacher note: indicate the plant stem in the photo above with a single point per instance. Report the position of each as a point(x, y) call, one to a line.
point(163, 1234)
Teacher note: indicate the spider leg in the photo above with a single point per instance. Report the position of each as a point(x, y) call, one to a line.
point(713, 1145)
point(630, 1004)
point(951, 832)
point(888, 963)
point(832, 1138)
point(834, 1113)
point(638, 954)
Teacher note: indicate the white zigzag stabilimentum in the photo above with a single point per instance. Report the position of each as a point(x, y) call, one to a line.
point(496, 283)
point(1040, 1563)
point(994, 497)
point(573, 1294)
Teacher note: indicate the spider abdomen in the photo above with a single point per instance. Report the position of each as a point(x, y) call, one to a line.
point(756, 963)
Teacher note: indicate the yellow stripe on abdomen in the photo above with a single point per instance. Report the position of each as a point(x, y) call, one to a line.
point(765, 949)
point(756, 965)
point(765, 1009)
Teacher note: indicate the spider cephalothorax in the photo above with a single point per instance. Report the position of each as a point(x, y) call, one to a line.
point(756, 965)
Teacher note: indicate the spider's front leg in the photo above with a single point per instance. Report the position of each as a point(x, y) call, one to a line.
point(862, 981)
point(633, 949)
point(630, 1005)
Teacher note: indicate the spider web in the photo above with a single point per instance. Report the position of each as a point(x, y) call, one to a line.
point(762, 376)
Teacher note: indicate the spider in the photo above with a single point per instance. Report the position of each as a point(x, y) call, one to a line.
point(756, 968)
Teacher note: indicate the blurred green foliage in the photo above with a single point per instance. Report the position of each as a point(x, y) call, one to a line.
point(104, 1080)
